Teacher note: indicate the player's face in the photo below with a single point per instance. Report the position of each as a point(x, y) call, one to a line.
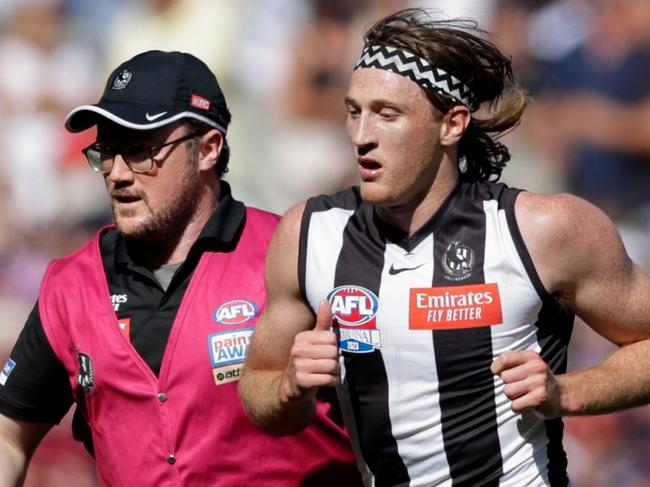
point(159, 203)
point(396, 137)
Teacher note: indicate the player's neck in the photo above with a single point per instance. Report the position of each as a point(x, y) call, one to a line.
point(411, 217)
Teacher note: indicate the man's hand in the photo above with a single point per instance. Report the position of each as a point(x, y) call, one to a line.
point(313, 360)
point(529, 383)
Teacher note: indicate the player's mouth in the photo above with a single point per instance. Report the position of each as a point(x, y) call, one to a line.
point(369, 169)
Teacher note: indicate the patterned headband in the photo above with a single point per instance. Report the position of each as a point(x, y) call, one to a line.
point(419, 70)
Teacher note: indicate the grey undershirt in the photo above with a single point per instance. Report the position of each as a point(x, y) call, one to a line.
point(165, 274)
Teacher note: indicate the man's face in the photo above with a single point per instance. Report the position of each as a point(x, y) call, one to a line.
point(159, 203)
point(396, 137)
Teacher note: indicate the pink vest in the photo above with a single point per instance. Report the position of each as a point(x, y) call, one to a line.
point(187, 426)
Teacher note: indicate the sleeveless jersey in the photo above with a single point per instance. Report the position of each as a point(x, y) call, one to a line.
point(420, 319)
point(185, 427)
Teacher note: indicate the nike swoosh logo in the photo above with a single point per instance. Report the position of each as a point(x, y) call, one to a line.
point(151, 118)
point(392, 271)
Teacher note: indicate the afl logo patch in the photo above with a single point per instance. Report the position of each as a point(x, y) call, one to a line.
point(235, 312)
point(122, 80)
point(353, 306)
point(457, 261)
point(354, 310)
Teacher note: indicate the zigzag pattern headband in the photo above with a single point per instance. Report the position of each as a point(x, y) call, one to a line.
point(418, 70)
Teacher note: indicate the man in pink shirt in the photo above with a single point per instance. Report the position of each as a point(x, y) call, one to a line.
point(146, 326)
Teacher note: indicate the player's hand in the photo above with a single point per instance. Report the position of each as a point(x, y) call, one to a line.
point(529, 383)
point(313, 359)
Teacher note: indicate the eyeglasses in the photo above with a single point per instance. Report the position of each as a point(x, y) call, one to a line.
point(138, 157)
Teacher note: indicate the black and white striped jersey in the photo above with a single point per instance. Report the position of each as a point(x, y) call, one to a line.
point(420, 319)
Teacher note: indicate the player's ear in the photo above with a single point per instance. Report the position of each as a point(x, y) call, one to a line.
point(454, 123)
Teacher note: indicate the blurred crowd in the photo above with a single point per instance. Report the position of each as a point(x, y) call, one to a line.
point(284, 66)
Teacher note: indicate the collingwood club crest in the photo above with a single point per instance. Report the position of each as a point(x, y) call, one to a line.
point(86, 375)
point(457, 261)
point(122, 80)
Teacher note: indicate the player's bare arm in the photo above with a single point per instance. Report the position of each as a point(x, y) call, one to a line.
point(292, 353)
point(581, 260)
point(18, 440)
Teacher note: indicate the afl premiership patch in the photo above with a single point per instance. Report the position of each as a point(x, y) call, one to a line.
point(354, 311)
point(440, 308)
point(228, 350)
point(457, 261)
point(86, 375)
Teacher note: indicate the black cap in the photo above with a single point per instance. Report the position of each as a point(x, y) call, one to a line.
point(153, 89)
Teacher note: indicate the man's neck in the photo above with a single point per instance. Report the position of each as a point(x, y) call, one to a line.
point(171, 249)
point(410, 218)
point(191, 233)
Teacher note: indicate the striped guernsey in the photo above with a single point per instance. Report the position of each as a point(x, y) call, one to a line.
point(420, 319)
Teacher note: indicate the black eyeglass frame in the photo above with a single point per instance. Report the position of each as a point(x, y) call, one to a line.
point(152, 151)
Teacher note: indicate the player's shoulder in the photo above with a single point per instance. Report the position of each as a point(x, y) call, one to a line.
point(292, 220)
point(560, 215)
point(567, 237)
point(288, 230)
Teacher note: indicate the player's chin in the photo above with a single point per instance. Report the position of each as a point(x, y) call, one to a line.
point(374, 193)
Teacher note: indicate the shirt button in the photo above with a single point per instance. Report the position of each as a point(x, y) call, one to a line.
point(171, 459)
point(162, 397)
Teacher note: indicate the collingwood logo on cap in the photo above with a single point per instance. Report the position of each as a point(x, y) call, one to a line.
point(121, 81)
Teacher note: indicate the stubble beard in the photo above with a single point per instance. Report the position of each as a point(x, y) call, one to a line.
point(374, 193)
point(168, 222)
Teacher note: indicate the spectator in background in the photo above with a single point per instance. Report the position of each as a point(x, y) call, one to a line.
point(318, 76)
point(593, 109)
point(587, 67)
point(204, 28)
point(480, 12)
point(559, 27)
point(42, 74)
point(577, 57)
point(91, 20)
point(263, 54)
point(309, 151)
point(44, 71)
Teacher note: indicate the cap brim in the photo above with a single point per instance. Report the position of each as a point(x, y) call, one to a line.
point(129, 115)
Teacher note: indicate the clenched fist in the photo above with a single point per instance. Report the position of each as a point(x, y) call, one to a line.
point(313, 359)
point(529, 383)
